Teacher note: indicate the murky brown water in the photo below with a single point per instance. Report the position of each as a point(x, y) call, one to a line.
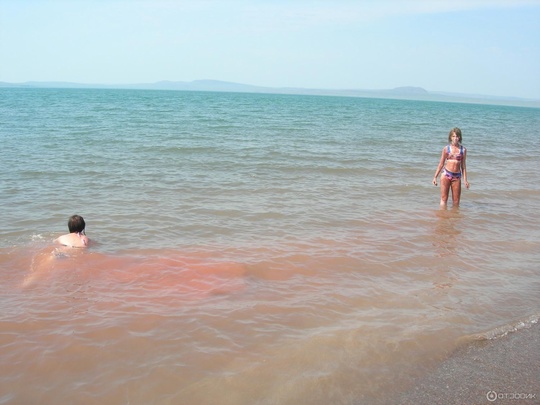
point(253, 249)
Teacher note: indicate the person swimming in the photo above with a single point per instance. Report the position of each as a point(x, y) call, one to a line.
point(76, 236)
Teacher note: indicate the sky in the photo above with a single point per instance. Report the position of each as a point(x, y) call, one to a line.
point(484, 47)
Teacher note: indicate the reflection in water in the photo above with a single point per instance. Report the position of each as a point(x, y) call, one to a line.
point(447, 231)
point(446, 242)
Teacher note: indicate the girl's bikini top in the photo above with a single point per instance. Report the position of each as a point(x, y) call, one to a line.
point(454, 156)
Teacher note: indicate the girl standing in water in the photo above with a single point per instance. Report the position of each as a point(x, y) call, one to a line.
point(452, 164)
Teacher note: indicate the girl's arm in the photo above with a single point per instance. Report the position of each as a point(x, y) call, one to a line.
point(441, 165)
point(464, 167)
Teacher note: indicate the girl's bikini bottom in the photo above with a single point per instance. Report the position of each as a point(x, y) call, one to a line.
point(451, 175)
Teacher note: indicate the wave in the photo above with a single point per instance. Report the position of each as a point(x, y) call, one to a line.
point(503, 330)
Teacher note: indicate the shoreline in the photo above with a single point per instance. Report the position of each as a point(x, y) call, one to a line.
point(507, 369)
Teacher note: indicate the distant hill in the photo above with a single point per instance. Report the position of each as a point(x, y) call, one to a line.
point(406, 92)
point(409, 90)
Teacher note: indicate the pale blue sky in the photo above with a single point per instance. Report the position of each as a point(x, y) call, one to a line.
point(489, 47)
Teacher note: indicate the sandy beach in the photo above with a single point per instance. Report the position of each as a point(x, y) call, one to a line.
point(506, 369)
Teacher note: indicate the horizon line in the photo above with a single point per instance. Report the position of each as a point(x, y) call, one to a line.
point(226, 86)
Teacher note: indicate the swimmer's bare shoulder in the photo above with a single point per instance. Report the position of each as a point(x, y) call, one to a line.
point(73, 240)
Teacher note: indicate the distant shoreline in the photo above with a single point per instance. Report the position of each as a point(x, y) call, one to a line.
point(399, 93)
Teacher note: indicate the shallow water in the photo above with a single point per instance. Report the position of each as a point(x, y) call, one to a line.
point(253, 248)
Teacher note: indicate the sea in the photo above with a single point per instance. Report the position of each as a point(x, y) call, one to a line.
point(255, 248)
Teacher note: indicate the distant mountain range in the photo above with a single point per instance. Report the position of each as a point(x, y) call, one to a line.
point(408, 93)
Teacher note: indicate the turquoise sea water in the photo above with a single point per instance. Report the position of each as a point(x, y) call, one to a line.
point(255, 248)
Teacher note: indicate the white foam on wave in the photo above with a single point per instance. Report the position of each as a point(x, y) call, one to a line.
point(503, 330)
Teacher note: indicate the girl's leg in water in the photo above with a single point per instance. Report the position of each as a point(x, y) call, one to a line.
point(456, 191)
point(445, 189)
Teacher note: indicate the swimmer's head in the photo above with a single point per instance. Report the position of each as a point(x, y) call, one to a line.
point(76, 224)
point(453, 131)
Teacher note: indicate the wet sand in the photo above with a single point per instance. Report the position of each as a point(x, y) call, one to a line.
point(508, 368)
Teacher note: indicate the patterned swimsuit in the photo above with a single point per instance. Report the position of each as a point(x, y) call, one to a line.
point(453, 156)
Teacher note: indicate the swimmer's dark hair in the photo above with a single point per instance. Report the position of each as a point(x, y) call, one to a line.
point(76, 224)
point(456, 131)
